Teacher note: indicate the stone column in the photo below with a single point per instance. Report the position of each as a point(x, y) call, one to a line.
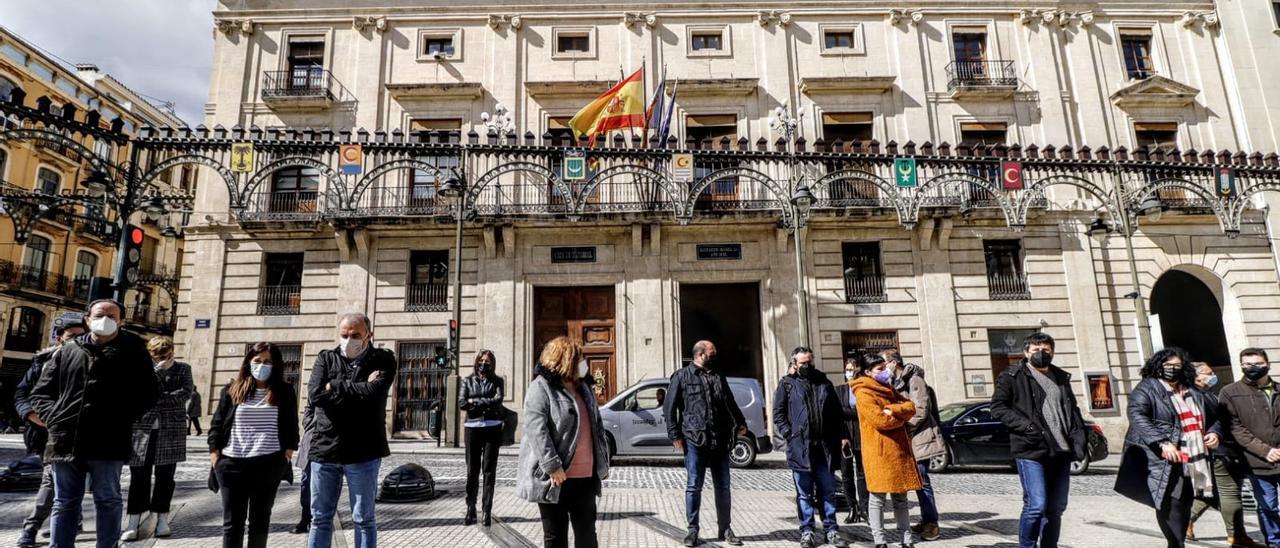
point(939, 326)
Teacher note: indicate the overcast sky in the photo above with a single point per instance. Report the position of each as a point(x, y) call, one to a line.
point(161, 48)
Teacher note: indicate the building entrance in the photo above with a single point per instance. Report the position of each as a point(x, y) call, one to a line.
point(586, 315)
point(729, 316)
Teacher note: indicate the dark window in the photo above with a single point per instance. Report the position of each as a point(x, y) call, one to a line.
point(970, 46)
point(863, 272)
point(25, 325)
point(306, 54)
point(425, 183)
point(983, 133)
point(281, 292)
point(86, 270)
point(432, 45)
point(1006, 348)
point(428, 281)
point(1006, 278)
point(292, 356)
point(39, 251)
point(711, 129)
point(48, 181)
point(1275, 8)
point(846, 127)
point(4, 159)
point(294, 190)
point(707, 41)
point(1137, 54)
point(148, 262)
point(6, 87)
point(857, 343)
point(1156, 135)
point(573, 43)
point(837, 39)
point(558, 127)
point(422, 380)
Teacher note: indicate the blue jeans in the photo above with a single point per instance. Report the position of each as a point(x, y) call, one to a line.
point(1046, 483)
point(1266, 491)
point(928, 503)
point(68, 493)
point(813, 485)
point(696, 462)
point(326, 486)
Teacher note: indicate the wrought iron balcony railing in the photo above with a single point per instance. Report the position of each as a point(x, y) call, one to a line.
point(864, 289)
point(151, 317)
point(973, 74)
point(1008, 287)
point(279, 300)
point(299, 83)
point(429, 297)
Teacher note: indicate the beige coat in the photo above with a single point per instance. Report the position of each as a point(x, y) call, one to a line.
point(926, 433)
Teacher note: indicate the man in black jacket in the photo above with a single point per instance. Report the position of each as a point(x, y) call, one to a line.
point(703, 421)
point(36, 436)
point(1255, 426)
point(1046, 433)
point(88, 396)
point(348, 399)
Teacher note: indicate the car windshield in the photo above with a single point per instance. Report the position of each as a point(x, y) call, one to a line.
point(951, 411)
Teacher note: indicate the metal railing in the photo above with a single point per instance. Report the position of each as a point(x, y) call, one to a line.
point(969, 74)
point(284, 206)
point(429, 297)
point(864, 289)
point(152, 317)
point(420, 388)
point(279, 300)
point(299, 83)
point(1008, 287)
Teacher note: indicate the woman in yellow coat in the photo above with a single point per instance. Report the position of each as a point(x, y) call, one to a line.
point(886, 446)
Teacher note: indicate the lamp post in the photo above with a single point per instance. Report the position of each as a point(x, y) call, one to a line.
point(784, 122)
point(500, 122)
point(1126, 228)
point(453, 190)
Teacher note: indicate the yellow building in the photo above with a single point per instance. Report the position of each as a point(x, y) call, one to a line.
point(49, 272)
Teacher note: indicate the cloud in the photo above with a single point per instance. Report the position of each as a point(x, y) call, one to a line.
point(160, 48)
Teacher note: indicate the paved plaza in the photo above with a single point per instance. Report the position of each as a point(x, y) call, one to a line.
point(643, 507)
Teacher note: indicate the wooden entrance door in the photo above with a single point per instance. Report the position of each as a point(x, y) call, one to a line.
point(586, 315)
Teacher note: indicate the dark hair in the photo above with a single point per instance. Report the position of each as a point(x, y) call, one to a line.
point(73, 325)
point(243, 384)
point(1254, 351)
point(89, 310)
point(1151, 370)
point(800, 350)
point(475, 367)
point(1039, 337)
point(870, 360)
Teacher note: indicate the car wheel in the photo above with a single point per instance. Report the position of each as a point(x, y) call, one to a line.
point(1079, 467)
point(940, 463)
point(743, 454)
point(613, 446)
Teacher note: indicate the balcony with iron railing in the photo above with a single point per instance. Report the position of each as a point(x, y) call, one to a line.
point(300, 87)
point(864, 289)
point(427, 297)
point(153, 318)
point(279, 300)
point(1008, 286)
point(299, 206)
point(42, 283)
point(982, 78)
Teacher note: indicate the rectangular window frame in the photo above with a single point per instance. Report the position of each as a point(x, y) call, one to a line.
point(881, 340)
point(429, 34)
point(1018, 287)
point(726, 41)
point(869, 287)
point(858, 42)
point(435, 297)
point(846, 118)
point(589, 33)
point(1154, 126)
point(289, 34)
point(1130, 31)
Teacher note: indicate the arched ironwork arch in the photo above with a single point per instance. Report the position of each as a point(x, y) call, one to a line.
point(223, 171)
point(22, 134)
point(890, 194)
point(1222, 209)
point(942, 180)
point(487, 179)
point(1235, 207)
point(779, 193)
point(639, 172)
point(378, 171)
point(335, 186)
point(1036, 189)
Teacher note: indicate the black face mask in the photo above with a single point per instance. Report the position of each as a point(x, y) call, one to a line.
point(1041, 359)
point(1256, 373)
point(1171, 373)
point(804, 370)
point(708, 361)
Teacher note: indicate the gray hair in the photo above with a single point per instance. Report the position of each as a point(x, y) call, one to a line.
point(798, 351)
point(353, 317)
point(700, 348)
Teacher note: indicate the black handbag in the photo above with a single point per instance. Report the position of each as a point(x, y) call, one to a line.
point(510, 420)
point(213, 479)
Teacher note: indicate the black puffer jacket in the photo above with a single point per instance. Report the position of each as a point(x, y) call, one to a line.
point(481, 397)
point(90, 394)
point(1018, 402)
point(701, 410)
point(807, 414)
point(1144, 474)
point(350, 418)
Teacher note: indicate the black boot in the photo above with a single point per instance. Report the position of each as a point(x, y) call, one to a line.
point(487, 520)
point(471, 516)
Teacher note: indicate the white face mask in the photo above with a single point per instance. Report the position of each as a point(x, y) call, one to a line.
point(164, 364)
point(583, 369)
point(848, 375)
point(260, 371)
point(351, 347)
point(103, 326)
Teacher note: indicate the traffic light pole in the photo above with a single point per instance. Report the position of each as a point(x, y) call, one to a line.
point(455, 331)
point(125, 211)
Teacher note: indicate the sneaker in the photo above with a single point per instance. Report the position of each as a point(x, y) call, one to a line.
point(807, 540)
point(727, 537)
point(162, 526)
point(27, 540)
point(691, 539)
point(834, 539)
point(929, 531)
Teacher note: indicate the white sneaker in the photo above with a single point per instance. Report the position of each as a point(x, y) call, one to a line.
point(162, 525)
point(131, 529)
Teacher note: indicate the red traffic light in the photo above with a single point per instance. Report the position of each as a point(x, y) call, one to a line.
point(453, 324)
point(135, 235)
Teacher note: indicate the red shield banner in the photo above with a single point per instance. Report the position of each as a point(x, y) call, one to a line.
point(1011, 175)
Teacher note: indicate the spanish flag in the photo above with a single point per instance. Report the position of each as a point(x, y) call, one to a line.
point(620, 107)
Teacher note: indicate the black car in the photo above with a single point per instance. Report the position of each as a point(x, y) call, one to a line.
point(974, 437)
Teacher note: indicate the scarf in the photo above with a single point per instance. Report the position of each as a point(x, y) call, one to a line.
point(1195, 460)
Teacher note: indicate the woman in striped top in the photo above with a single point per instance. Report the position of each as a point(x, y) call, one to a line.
point(252, 438)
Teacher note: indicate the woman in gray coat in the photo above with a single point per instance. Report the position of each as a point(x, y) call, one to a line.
point(159, 441)
point(563, 456)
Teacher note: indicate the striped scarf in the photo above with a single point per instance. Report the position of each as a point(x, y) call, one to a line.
point(1195, 459)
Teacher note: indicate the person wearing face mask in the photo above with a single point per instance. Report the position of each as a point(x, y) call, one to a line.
point(703, 421)
point(854, 478)
point(1229, 470)
point(36, 437)
point(883, 414)
point(348, 399)
point(481, 397)
point(807, 414)
point(926, 436)
point(1252, 407)
point(252, 438)
point(159, 442)
point(1035, 403)
point(564, 457)
point(89, 394)
point(1172, 427)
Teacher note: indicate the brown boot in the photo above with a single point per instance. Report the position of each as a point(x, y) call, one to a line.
point(1244, 542)
point(1191, 531)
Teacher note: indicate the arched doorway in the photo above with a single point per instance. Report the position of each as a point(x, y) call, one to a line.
point(1190, 315)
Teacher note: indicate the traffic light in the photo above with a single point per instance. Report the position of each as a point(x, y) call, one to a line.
point(454, 338)
point(132, 263)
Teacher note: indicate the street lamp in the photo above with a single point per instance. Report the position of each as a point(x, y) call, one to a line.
point(500, 122)
point(453, 190)
point(801, 201)
point(96, 184)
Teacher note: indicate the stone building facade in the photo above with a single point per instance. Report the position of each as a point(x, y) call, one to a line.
point(1122, 95)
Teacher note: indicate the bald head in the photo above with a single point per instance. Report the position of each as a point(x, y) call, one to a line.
point(703, 353)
